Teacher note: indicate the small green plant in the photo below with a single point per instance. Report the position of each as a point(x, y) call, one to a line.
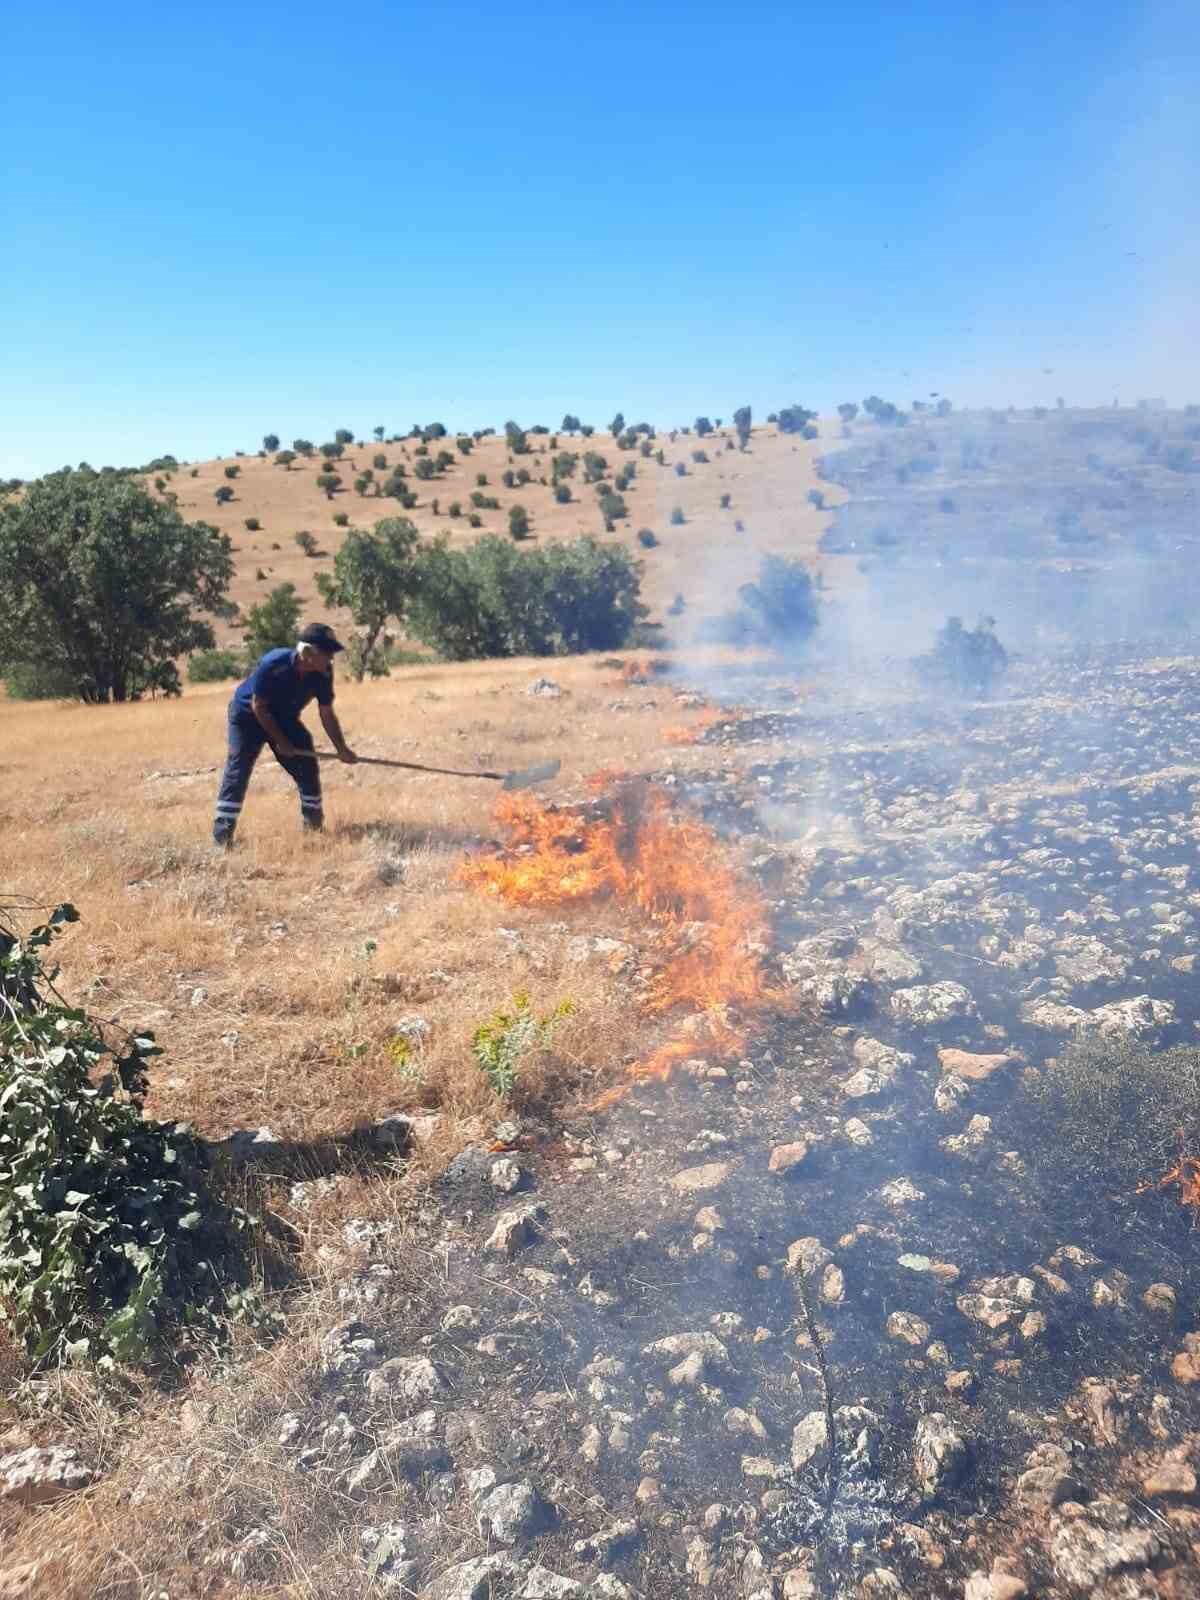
point(232, 472)
point(454, 509)
point(726, 501)
point(214, 666)
point(562, 493)
point(510, 1036)
point(110, 1234)
point(475, 520)
point(223, 495)
point(677, 517)
point(647, 538)
point(341, 519)
point(518, 522)
point(307, 542)
point(252, 524)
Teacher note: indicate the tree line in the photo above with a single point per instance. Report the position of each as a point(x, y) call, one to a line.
point(104, 587)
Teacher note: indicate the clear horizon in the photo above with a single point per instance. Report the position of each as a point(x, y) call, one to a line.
point(235, 222)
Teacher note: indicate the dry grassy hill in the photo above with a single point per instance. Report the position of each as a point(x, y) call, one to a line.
point(767, 484)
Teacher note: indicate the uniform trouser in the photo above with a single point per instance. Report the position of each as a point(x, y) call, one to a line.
point(246, 740)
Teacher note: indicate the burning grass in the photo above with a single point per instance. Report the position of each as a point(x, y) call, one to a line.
point(710, 925)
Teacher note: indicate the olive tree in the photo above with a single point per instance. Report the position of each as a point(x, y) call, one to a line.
point(105, 585)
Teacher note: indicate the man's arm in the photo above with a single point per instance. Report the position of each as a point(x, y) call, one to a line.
point(333, 728)
point(271, 728)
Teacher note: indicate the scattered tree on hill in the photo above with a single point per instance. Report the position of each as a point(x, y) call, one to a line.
point(586, 429)
point(612, 506)
point(343, 436)
point(252, 524)
point(562, 493)
point(270, 443)
point(374, 578)
point(379, 462)
point(515, 439)
point(725, 502)
point(284, 459)
point(778, 610)
point(434, 430)
point(741, 423)
point(703, 427)
point(424, 469)
point(379, 433)
point(794, 419)
point(518, 522)
point(594, 467)
point(214, 666)
point(964, 661)
point(306, 541)
point(106, 585)
point(570, 424)
point(273, 623)
point(816, 497)
point(647, 538)
point(464, 445)
point(333, 451)
point(848, 410)
point(617, 425)
point(223, 495)
point(303, 447)
point(944, 407)
point(232, 472)
point(330, 482)
point(677, 517)
point(363, 482)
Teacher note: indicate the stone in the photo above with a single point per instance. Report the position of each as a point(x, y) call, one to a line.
point(544, 689)
point(903, 1325)
point(38, 1475)
point(506, 1175)
point(1140, 1018)
point(1048, 1486)
point(807, 1257)
point(604, 1545)
point(786, 1157)
point(409, 1377)
point(514, 1230)
point(349, 1350)
point(1186, 1365)
point(542, 1584)
point(833, 1286)
point(976, 1068)
point(858, 1429)
point(882, 1584)
point(798, 1584)
point(514, 1512)
point(1084, 1554)
point(473, 1580)
point(940, 1453)
point(995, 1585)
point(1170, 1480)
point(679, 1346)
point(1161, 1299)
point(933, 1004)
point(408, 1451)
point(900, 1192)
point(697, 1180)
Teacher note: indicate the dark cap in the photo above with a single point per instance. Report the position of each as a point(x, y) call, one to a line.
point(322, 636)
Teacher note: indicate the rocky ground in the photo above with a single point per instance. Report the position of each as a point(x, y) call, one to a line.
point(815, 1322)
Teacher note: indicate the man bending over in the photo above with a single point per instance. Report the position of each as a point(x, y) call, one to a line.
point(266, 709)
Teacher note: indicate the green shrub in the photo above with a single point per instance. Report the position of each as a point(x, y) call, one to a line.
point(509, 479)
point(214, 666)
point(677, 517)
point(612, 506)
point(481, 479)
point(562, 493)
point(475, 520)
point(306, 542)
point(379, 462)
point(111, 1237)
point(454, 509)
point(330, 482)
point(778, 610)
point(1109, 1115)
point(25, 680)
point(341, 519)
point(284, 459)
point(232, 472)
point(725, 502)
point(700, 457)
point(816, 497)
point(252, 524)
point(484, 502)
point(223, 495)
point(510, 1036)
point(518, 522)
point(963, 661)
point(273, 623)
point(647, 538)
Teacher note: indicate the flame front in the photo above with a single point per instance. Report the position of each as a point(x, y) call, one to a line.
point(672, 869)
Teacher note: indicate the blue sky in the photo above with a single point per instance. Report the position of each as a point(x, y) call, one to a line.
point(224, 220)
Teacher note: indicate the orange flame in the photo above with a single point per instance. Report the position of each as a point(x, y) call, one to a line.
point(1186, 1174)
point(693, 732)
point(713, 925)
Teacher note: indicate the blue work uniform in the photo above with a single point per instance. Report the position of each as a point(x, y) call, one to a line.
point(277, 682)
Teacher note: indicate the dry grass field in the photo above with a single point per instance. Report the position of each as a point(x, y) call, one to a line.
point(282, 979)
point(767, 485)
point(278, 978)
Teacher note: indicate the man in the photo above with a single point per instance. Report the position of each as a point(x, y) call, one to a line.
point(266, 708)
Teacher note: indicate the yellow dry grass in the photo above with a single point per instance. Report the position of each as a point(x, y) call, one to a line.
point(768, 487)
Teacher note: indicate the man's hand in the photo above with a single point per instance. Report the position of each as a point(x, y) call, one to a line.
point(288, 751)
point(346, 754)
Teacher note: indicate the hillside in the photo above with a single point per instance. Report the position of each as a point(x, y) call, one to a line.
point(767, 484)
